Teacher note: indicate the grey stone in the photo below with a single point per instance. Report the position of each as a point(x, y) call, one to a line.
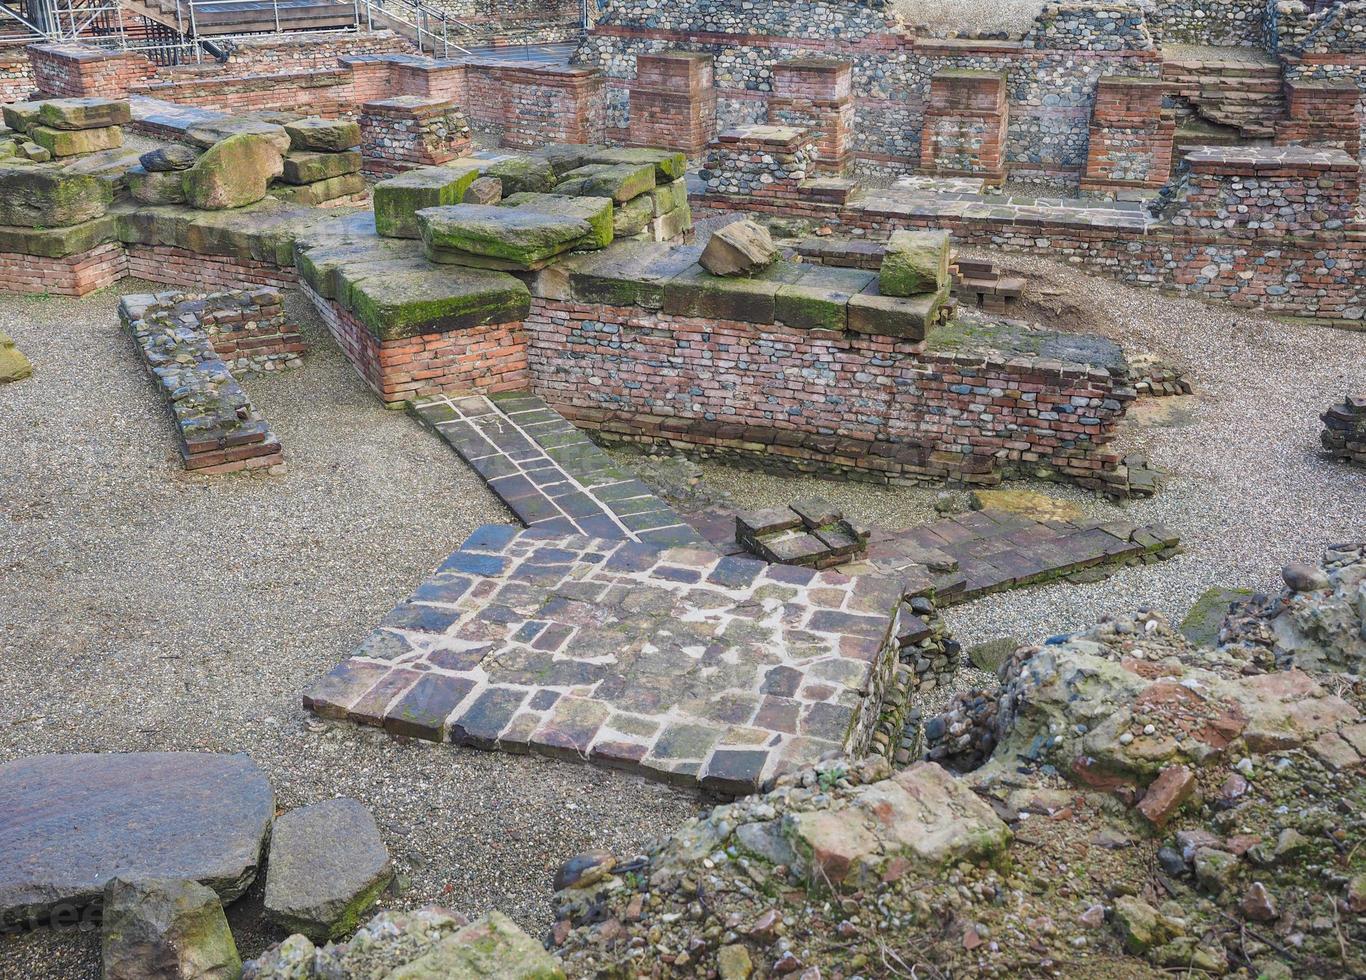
point(166, 928)
point(88, 818)
point(328, 865)
point(324, 135)
point(740, 248)
point(173, 156)
point(206, 134)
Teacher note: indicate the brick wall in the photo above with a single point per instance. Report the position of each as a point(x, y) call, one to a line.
point(965, 125)
point(180, 267)
point(1323, 113)
point(249, 329)
point(71, 275)
point(72, 70)
point(411, 131)
point(272, 53)
point(16, 73)
point(816, 93)
point(815, 400)
point(1131, 135)
point(527, 106)
point(317, 92)
point(486, 359)
point(673, 102)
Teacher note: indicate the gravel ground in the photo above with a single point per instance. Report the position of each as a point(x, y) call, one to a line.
point(141, 609)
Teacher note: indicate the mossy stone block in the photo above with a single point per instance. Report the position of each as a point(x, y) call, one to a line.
point(156, 186)
point(56, 243)
point(633, 217)
point(400, 304)
point(669, 197)
point(669, 165)
point(233, 173)
point(629, 273)
point(520, 237)
point(321, 191)
point(597, 211)
point(19, 116)
point(620, 182)
point(522, 174)
point(819, 300)
point(46, 196)
point(85, 113)
point(696, 292)
point(915, 262)
point(1202, 624)
point(71, 142)
point(907, 317)
point(398, 199)
point(321, 266)
point(308, 166)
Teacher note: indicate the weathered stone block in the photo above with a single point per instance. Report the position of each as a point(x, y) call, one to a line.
point(233, 172)
point(522, 173)
point(740, 248)
point(323, 135)
point(498, 237)
point(633, 217)
point(48, 197)
point(156, 187)
point(398, 199)
point(620, 182)
point(597, 211)
point(396, 304)
point(820, 298)
point(165, 927)
point(19, 116)
point(321, 191)
point(206, 134)
point(70, 142)
point(307, 166)
point(915, 262)
point(696, 292)
point(484, 190)
point(91, 113)
point(14, 366)
point(895, 316)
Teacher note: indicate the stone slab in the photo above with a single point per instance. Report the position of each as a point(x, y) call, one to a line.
point(70, 823)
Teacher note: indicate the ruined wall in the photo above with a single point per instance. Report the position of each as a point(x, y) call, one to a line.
point(1050, 89)
point(16, 73)
point(1226, 23)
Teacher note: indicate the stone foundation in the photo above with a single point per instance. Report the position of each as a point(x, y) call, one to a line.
point(411, 131)
point(70, 275)
point(1344, 430)
point(762, 162)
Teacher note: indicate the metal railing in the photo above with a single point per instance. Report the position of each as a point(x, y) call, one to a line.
point(430, 28)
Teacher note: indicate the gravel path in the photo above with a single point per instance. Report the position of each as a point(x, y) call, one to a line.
point(141, 609)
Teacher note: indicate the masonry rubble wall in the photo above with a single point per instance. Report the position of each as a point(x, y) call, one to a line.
point(16, 73)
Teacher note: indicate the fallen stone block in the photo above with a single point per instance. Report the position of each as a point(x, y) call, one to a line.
point(48, 197)
point(34, 153)
point(597, 211)
point(327, 866)
point(87, 113)
point(71, 142)
point(323, 135)
point(232, 173)
point(484, 190)
point(156, 187)
point(166, 159)
point(309, 166)
point(672, 226)
point(740, 248)
point(398, 199)
point(915, 262)
point(498, 237)
point(89, 818)
point(204, 135)
point(14, 366)
point(165, 927)
point(621, 182)
point(492, 947)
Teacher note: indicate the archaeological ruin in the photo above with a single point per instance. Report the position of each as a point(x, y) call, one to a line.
point(721, 488)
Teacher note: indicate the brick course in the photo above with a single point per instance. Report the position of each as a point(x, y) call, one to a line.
point(673, 102)
point(1131, 135)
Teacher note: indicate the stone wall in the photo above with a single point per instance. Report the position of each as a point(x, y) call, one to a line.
point(248, 328)
point(673, 103)
point(775, 395)
point(1131, 135)
point(760, 161)
point(1226, 23)
point(411, 131)
point(173, 266)
point(965, 125)
point(817, 94)
point(272, 53)
point(1049, 90)
point(76, 274)
point(529, 105)
point(16, 73)
point(1322, 113)
point(1086, 26)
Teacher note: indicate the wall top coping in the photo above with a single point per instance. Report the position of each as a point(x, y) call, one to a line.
point(785, 135)
point(1208, 158)
point(81, 52)
point(677, 56)
point(814, 63)
point(1132, 81)
point(409, 103)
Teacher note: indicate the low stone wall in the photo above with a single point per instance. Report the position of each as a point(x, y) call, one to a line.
point(1322, 113)
point(76, 274)
point(1344, 430)
point(248, 329)
point(775, 396)
point(219, 430)
point(174, 266)
point(763, 162)
point(816, 94)
point(527, 106)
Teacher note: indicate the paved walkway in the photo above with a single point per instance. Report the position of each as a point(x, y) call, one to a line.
point(549, 473)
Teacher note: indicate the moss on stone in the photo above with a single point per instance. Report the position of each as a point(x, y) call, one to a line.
point(398, 199)
point(396, 304)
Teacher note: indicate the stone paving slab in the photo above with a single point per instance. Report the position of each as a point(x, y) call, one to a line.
point(549, 473)
point(970, 555)
point(675, 662)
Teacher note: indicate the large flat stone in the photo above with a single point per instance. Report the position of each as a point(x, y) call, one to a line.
point(398, 199)
point(397, 303)
point(628, 273)
point(322, 191)
point(597, 211)
point(208, 132)
point(49, 197)
point(72, 142)
point(71, 823)
point(820, 298)
point(87, 113)
point(327, 866)
point(325, 135)
point(620, 182)
point(521, 174)
point(307, 166)
point(58, 242)
point(512, 238)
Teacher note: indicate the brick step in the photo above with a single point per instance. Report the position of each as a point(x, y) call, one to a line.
point(833, 190)
point(1209, 69)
